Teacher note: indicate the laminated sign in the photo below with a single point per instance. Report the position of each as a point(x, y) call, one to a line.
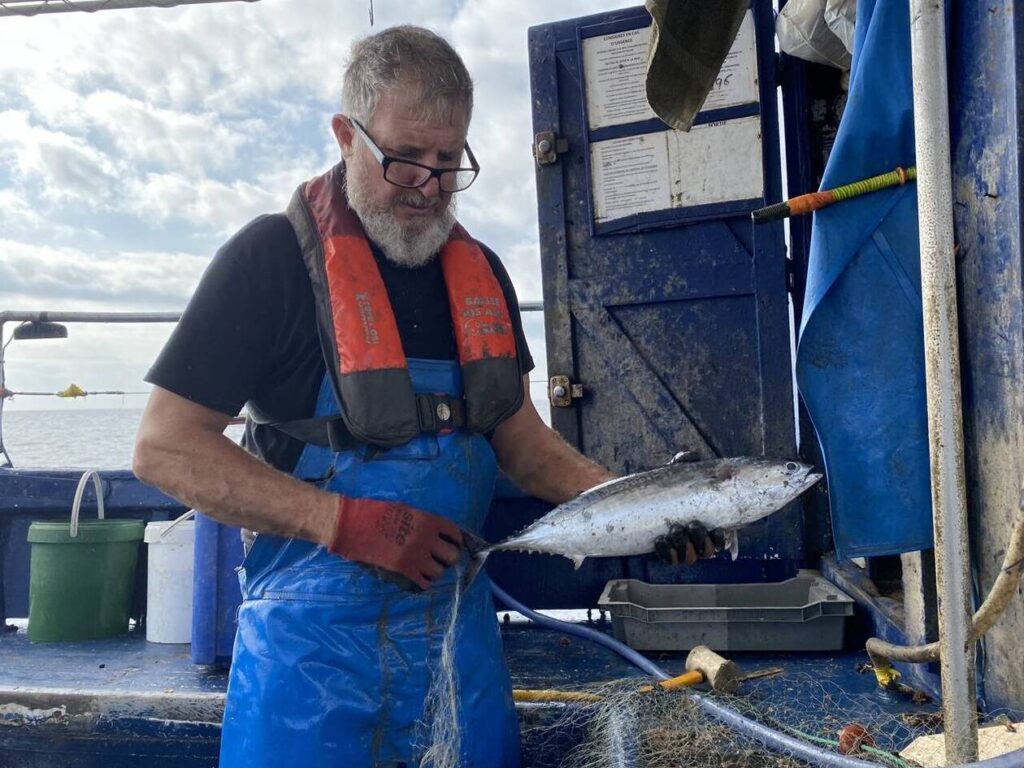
point(637, 164)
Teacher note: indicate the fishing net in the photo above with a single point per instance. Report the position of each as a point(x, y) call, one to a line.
point(830, 702)
point(441, 730)
point(627, 725)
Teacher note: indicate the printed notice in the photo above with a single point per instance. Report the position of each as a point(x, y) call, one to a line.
point(615, 71)
point(737, 80)
point(615, 75)
point(631, 175)
point(713, 163)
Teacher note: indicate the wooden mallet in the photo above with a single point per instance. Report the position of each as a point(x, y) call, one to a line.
point(704, 665)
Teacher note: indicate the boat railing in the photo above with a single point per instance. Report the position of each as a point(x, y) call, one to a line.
point(50, 325)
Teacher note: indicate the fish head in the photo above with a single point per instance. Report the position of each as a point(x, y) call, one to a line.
point(766, 485)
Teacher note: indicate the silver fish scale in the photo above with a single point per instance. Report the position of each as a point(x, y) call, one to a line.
point(625, 516)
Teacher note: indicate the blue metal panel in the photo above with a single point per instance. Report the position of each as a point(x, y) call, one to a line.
point(987, 113)
point(675, 322)
point(216, 595)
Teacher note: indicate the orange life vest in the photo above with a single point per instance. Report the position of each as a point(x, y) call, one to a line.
point(359, 333)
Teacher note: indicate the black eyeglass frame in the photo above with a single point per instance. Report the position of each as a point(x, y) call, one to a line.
point(386, 160)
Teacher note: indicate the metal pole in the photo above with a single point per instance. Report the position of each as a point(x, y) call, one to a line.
point(5, 459)
point(36, 7)
point(942, 372)
point(88, 317)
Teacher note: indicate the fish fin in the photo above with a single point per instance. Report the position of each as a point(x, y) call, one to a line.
point(577, 560)
point(732, 543)
point(685, 457)
point(599, 486)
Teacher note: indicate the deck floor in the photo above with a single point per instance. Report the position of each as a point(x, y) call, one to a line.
point(121, 701)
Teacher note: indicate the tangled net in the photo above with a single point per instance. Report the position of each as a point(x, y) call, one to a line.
point(630, 727)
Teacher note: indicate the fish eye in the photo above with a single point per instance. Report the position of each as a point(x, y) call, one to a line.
point(792, 466)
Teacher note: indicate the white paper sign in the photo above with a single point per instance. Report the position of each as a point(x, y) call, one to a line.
point(630, 175)
point(615, 70)
point(713, 163)
point(615, 75)
point(737, 79)
point(716, 163)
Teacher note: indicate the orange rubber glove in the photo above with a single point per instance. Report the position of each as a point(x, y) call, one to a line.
point(396, 537)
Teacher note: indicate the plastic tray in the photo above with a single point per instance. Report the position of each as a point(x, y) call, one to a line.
point(805, 613)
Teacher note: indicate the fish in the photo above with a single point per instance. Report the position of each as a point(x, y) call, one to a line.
point(626, 515)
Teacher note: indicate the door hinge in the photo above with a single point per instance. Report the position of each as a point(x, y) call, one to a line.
point(790, 276)
point(547, 147)
point(561, 391)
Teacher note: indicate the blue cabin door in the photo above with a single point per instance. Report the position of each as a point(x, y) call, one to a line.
point(662, 303)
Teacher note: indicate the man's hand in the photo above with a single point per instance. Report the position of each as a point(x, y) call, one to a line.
point(396, 537)
point(687, 543)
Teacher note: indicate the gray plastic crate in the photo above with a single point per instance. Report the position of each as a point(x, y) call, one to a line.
point(805, 613)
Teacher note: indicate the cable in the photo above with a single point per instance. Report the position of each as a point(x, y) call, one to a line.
point(999, 597)
point(771, 738)
point(633, 657)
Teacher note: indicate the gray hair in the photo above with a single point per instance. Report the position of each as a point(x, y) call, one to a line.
point(406, 54)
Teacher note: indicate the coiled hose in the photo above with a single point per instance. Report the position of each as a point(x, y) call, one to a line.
point(1003, 590)
point(779, 742)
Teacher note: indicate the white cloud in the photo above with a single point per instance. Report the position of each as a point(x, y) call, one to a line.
point(205, 204)
point(70, 278)
point(125, 128)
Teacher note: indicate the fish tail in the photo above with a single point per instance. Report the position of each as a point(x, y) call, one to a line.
point(472, 543)
point(478, 550)
point(476, 564)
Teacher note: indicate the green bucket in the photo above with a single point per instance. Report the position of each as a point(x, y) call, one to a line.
point(82, 576)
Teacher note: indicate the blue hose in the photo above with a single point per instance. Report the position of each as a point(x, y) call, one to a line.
point(772, 739)
point(634, 658)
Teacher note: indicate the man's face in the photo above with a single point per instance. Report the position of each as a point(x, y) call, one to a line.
point(410, 225)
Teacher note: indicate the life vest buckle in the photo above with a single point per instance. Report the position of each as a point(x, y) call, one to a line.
point(439, 413)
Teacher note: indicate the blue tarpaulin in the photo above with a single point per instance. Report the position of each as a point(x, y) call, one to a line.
point(860, 359)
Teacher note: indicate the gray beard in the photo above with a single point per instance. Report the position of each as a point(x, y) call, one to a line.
point(411, 244)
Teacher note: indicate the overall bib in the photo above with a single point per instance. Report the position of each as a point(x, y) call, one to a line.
point(331, 661)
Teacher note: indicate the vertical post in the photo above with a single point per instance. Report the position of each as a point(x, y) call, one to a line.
point(942, 372)
point(5, 459)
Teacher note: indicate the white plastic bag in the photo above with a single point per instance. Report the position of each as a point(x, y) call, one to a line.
point(804, 33)
point(841, 17)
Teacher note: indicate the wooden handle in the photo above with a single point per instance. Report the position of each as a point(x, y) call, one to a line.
point(684, 680)
point(552, 695)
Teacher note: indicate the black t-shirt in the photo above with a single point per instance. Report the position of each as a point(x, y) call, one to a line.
point(249, 333)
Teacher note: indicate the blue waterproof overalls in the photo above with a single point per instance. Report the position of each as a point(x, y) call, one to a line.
point(332, 662)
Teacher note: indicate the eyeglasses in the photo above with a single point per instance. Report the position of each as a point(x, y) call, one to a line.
point(406, 173)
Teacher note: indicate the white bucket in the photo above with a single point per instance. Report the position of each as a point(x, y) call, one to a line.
point(169, 587)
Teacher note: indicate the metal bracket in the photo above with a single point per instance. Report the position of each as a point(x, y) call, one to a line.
point(547, 147)
point(561, 391)
point(790, 276)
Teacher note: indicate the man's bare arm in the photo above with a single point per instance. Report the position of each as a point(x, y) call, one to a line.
point(539, 461)
point(182, 450)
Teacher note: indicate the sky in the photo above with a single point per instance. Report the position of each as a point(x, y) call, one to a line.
point(134, 142)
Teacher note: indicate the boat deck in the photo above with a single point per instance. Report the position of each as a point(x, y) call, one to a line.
point(125, 701)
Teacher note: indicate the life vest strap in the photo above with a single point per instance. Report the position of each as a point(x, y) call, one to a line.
point(436, 413)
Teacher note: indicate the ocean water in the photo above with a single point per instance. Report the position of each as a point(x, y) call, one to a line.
point(87, 439)
point(75, 439)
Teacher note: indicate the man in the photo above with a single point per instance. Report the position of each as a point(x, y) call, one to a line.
point(368, 294)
